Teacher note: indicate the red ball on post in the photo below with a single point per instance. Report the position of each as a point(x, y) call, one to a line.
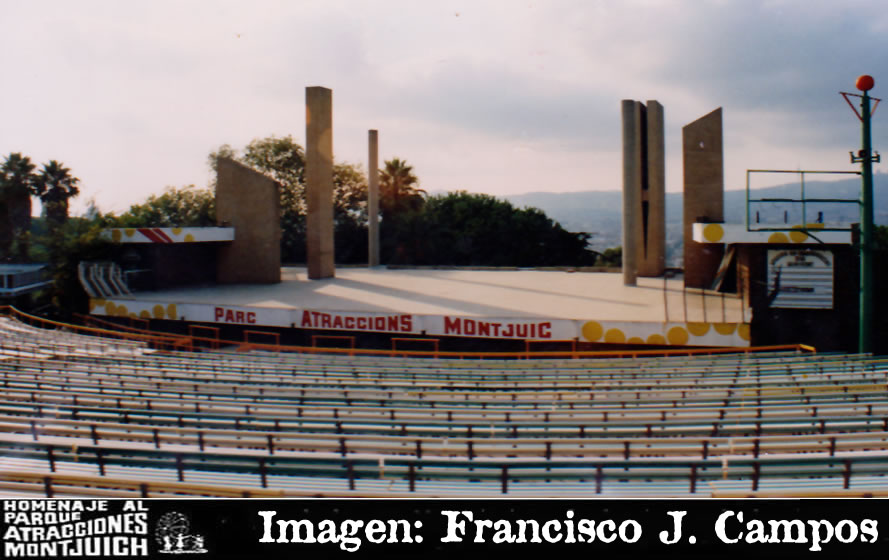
point(864, 82)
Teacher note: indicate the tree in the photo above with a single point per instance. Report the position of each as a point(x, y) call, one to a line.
point(55, 185)
point(400, 201)
point(17, 183)
point(77, 240)
point(349, 213)
point(466, 229)
point(612, 257)
point(283, 159)
point(176, 207)
point(398, 189)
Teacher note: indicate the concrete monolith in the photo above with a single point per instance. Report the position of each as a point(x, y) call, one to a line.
point(319, 183)
point(702, 196)
point(373, 199)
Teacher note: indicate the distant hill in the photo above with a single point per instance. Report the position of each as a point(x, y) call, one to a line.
point(600, 212)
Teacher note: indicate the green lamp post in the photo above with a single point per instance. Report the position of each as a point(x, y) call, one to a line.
point(866, 157)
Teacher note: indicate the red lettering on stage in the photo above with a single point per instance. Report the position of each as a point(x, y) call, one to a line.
point(325, 321)
point(545, 331)
point(392, 323)
point(521, 330)
point(452, 325)
point(218, 312)
point(380, 323)
point(406, 323)
point(496, 327)
point(251, 317)
point(307, 319)
point(362, 323)
point(469, 326)
point(484, 329)
point(507, 332)
point(350, 322)
point(337, 322)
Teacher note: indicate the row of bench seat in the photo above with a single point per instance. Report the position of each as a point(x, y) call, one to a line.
point(783, 420)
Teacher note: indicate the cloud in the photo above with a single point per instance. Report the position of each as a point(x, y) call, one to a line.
point(498, 96)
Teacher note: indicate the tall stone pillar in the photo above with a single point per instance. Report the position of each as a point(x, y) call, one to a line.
point(652, 231)
point(373, 200)
point(319, 183)
point(702, 196)
point(644, 225)
point(632, 148)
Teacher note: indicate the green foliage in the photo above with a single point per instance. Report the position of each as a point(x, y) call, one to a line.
point(398, 189)
point(55, 185)
point(464, 229)
point(76, 240)
point(611, 257)
point(349, 213)
point(283, 160)
point(457, 229)
point(176, 207)
point(17, 183)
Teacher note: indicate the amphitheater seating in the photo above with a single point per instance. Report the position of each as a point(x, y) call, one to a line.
point(90, 415)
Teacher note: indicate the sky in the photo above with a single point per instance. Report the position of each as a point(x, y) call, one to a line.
point(500, 97)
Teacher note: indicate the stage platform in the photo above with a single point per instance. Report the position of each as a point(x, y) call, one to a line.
point(480, 303)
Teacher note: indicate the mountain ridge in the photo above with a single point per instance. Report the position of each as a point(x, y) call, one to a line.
point(600, 212)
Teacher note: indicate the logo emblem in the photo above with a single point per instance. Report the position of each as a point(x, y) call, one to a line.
point(173, 535)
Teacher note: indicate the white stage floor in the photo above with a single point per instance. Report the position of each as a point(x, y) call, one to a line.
point(474, 293)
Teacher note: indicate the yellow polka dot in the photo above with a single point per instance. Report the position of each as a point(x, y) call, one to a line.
point(122, 311)
point(698, 329)
point(132, 315)
point(656, 339)
point(713, 233)
point(744, 331)
point(158, 311)
point(177, 230)
point(129, 232)
point(677, 336)
point(144, 314)
point(189, 238)
point(635, 340)
point(171, 311)
point(798, 236)
point(110, 308)
point(778, 237)
point(592, 331)
point(724, 328)
point(615, 336)
point(115, 235)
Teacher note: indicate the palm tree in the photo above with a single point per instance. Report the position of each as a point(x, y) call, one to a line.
point(16, 187)
point(55, 186)
point(398, 189)
point(400, 201)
